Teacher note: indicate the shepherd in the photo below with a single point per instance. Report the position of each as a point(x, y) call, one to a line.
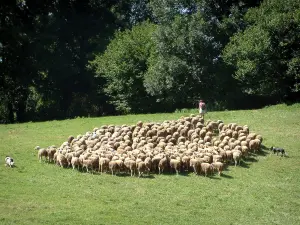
point(202, 108)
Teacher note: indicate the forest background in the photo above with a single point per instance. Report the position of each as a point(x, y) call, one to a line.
point(68, 58)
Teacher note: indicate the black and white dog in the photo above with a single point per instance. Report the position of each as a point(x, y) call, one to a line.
point(9, 161)
point(278, 150)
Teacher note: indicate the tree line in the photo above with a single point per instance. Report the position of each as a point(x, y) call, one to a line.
point(67, 58)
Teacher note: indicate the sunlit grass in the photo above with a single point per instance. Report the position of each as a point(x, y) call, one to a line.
point(264, 190)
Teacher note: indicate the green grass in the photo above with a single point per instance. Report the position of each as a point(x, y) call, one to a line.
point(265, 190)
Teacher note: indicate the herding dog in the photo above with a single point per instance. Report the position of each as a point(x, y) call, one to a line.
point(9, 161)
point(278, 150)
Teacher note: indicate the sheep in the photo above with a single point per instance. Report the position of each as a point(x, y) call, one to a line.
point(259, 137)
point(50, 152)
point(195, 163)
point(87, 163)
point(70, 139)
point(55, 157)
point(181, 144)
point(185, 162)
point(163, 164)
point(175, 164)
point(207, 139)
point(206, 168)
point(219, 166)
point(252, 136)
point(113, 166)
point(69, 157)
point(254, 144)
point(228, 156)
point(42, 152)
point(155, 161)
point(131, 165)
point(148, 164)
point(217, 158)
point(237, 155)
point(62, 160)
point(103, 163)
point(208, 158)
point(245, 150)
point(75, 162)
point(141, 167)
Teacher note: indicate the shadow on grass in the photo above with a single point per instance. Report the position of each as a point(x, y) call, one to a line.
point(150, 176)
point(145, 175)
point(182, 173)
point(244, 164)
point(280, 155)
point(123, 174)
point(226, 176)
point(14, 166)
point(251, 159)
point(263, 151)
point(214, 177)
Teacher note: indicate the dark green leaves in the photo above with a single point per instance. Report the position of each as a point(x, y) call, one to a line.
point(265, 54)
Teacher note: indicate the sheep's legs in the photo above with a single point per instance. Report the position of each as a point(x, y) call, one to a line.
point(195, 170)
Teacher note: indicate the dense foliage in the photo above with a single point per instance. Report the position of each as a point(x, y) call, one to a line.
point(124, 65)
point(62, 59)
point(266, 54)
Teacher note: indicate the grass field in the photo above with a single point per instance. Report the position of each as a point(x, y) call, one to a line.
point(263, 190)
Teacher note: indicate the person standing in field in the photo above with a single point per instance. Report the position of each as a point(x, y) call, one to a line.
point(202, 108)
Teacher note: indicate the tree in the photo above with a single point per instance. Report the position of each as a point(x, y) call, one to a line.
point(44, 50)
point(186, 61)
point(266, 54)
point(124, 64)
point(187, 64)
point(16, 70)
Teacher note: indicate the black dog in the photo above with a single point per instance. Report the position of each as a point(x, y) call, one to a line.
point(278, 150)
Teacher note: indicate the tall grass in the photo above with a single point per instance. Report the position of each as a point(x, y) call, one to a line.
point(263, 190)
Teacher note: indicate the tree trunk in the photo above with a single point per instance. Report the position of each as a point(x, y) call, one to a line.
point(20, 112)
point(10, 113)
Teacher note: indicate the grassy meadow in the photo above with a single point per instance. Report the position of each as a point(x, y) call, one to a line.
point(264, 190)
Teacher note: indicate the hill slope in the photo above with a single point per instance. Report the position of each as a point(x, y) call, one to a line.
point(264, 190)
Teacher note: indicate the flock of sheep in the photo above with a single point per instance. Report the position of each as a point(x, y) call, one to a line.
point(186, 144)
